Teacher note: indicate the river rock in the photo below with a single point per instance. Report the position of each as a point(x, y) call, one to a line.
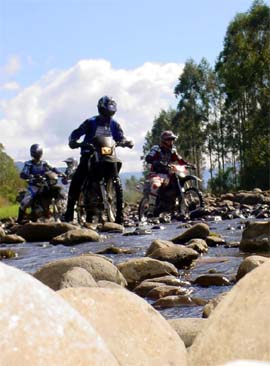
point(178, 300)
point(239, 328)
point(187, 328)
point(145, 287)
point(138, 269)
point(39, 328)
point(249, 198)
point(51, 274)
point(111, 227)
point(41, 231)
point(212, 280)
point(178, 255)
point(197, 231)
point(199, 245)
point(76, 236)
point(248, 264)
point(170, 280)
point(108, 284)
point(77, 277)
point(157, 244)
point(134, 332)
point(165, 290)
point(2, 233)
point(256, 237)
point(212, 304)
point(11, 239)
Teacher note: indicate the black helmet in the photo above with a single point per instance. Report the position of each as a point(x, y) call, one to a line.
point(107, 106)
point(36, 151)
point(167, 138)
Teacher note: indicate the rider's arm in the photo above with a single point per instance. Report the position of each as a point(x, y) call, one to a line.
point(25, 173)
point(180, 160)
point(83, 129)
point(118, 135)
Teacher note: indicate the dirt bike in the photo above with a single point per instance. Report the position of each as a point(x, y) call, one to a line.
point(179, 194)
point(101, 197)
point(48, 203)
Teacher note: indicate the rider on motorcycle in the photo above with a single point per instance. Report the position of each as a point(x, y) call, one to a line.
point(32, 171)
point(70, 169)
point(102, 124)
point(159, 158)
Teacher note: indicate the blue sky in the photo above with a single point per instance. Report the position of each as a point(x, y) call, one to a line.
point(137, 45)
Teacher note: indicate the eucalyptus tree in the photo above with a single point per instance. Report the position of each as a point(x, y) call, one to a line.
point(243, 68)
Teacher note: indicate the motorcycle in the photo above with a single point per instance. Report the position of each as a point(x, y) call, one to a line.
point(48, 203)
point(101, 197)
point(179, 194)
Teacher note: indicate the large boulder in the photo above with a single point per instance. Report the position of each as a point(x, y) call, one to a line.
point(134, 332)
point(39, 328)
point(197, 231)
point(77, 277)
point(256, 237)
point(239, 328)
point(249, 198)
point(138, 269)
point(41, 231)
point(51, 274)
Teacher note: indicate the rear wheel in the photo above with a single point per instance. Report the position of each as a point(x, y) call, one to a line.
point(192, 200)
point(114, 192)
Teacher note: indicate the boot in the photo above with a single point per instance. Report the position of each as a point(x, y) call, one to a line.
point(20, 216)
point(69, 214)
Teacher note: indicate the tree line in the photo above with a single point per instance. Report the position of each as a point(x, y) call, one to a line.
point(222, 115)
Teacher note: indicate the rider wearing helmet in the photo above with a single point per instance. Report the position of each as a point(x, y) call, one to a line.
point(70, 169)
point(102, 124)
point(159, 158)
point(32, 171)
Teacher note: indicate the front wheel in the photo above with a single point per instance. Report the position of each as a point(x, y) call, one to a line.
point(114, 208)
point(193, 200)
point(143, 208)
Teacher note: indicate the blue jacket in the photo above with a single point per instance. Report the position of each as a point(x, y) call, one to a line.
point(88, 129)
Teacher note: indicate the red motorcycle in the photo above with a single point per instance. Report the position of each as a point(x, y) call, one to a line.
point(179, 194)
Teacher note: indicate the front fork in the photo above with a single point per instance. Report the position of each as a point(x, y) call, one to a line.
point(181, 196)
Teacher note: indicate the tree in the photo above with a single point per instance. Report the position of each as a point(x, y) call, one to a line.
point(243, 68)
point(10, 181)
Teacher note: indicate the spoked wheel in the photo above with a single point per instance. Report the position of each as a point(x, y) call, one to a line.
point(114, 192)
point(192, 200)
point(143, 209)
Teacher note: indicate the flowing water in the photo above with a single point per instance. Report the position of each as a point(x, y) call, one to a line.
point(31, 256)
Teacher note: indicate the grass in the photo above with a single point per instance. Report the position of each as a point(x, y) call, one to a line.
point(9, 211)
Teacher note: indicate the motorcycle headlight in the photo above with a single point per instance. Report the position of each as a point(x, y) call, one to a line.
point(106, 150)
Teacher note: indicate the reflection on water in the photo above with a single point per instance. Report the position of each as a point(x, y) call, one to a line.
point(31, 256)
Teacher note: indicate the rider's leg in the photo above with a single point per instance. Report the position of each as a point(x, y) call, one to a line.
point(156, 183)
point(75, 187)
point(26, 202)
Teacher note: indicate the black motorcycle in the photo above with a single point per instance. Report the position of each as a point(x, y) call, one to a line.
point(48, 203)
point(101, 197)
point(178, 196)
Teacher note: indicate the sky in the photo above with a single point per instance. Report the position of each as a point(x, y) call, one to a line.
point(58, 57)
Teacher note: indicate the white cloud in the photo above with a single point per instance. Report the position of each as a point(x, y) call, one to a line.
point(49, 110)
point(12, 66)
point(10, 86)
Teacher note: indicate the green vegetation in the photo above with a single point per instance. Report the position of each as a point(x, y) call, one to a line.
point(8, 211)
point(131, 193)
point(10, 182)
point(222, 117)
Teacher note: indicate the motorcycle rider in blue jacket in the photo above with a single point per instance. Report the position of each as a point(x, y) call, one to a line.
point(102, 124)
point(32, 171)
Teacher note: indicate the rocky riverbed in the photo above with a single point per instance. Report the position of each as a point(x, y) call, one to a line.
point(180, 270)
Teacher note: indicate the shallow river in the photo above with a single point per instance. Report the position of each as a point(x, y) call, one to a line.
point(31, 256)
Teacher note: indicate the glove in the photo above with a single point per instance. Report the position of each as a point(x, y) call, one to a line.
point(129, 144)
point(74, 144)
